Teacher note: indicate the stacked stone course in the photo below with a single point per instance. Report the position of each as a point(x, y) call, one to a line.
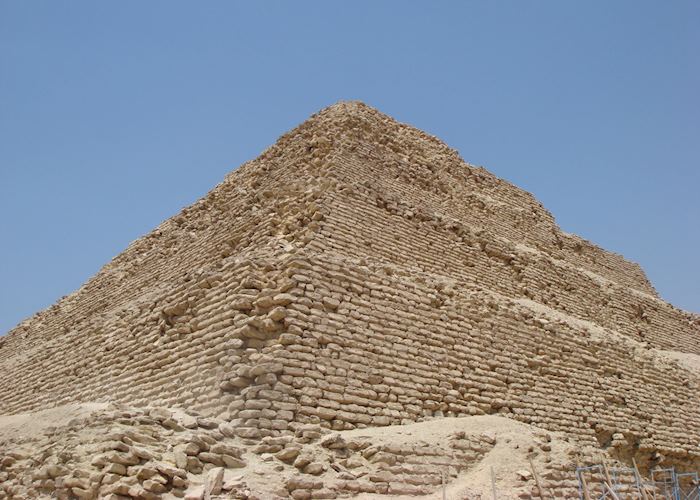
point(359, 273)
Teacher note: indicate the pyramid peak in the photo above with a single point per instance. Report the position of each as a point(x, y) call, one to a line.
point(337, 114)
point(356, 123)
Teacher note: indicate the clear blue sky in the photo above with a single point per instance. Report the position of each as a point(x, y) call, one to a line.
point(115, 115)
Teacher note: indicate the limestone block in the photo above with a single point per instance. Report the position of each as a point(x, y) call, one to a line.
point(115, 468)
point(303, 483)
point(194, 465)
point(288, 454)
point(233, 462)
point(212, 458)
point(226, 448)
point(214, 481)
point(195, 493)
point(314, 468)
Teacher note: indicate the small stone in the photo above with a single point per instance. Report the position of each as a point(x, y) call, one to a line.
point(170, 471)
point(154, 486)
point(195, 493)
point(179, 482)
point(83, 493)
point(524, 475)
point(406, 489)
point(160, 413)
point(301, 495)
point(180, 459)
point(55, 471)
point(386, 458)
point(331, 303)
point(110, 478)
point(194, 465)
point(211, 458)
point(113, 468)
point(190, 448)
point(248, 432)
point(489, 437)
point(354, 462)
point(215, 480)
point(302, 461)
point(227, 429)
point(262, 368)
point(120, 489)
point(233, 462)
point(277, 314)
point(136, 491)
point(283, 299)
point(222, 448)
point(323, 493)
point(233, 483)
point(144, 472)
point(383, 476)
point(76, 482)
point(207, 423)
point(334, 442)
point(314, 468)
point(288, 454)
point(242, 304)
point(303, 483)
point(188, 421)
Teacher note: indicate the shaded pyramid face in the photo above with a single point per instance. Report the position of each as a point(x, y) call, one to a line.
point(360, 274)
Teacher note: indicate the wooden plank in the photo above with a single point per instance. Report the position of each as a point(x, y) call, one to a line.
point(642, 488)
point(608, 482)
point(584, 484)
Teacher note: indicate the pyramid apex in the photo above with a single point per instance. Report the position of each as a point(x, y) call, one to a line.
point(344, 109)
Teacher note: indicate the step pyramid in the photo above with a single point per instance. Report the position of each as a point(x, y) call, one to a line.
point(358, 275)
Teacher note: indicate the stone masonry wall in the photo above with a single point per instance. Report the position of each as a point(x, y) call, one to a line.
point(369, 345)
point(363, 223)
point(110, 339)
point(359, 274)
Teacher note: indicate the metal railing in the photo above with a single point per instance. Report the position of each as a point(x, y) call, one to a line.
point(600, 482)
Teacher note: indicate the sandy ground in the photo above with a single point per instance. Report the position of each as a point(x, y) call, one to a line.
point(507, 458)
point(515, 441)
point(30, 425)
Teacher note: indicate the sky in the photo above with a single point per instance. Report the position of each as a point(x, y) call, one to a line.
point(116, 115)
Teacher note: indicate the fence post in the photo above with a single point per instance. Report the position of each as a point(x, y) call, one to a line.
point(537, 479)
point(493, 483)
